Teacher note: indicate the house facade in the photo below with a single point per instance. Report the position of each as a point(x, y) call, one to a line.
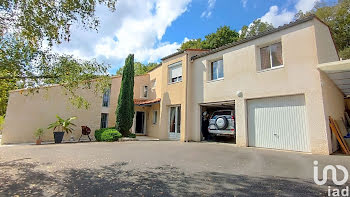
point(280, 97)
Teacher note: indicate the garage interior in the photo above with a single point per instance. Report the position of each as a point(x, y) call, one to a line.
point(210, 108)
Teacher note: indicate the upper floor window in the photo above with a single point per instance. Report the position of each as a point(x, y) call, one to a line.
point(154, 83)
point(175, 72)
point(105, 100)
point(144, 92)
point(217, 70)
point(271, 56)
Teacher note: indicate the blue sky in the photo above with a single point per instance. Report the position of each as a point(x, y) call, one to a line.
point(152, 29)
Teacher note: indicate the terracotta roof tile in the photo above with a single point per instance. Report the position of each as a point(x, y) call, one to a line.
point(146, 101)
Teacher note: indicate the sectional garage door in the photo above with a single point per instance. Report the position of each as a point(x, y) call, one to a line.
point(278, 123)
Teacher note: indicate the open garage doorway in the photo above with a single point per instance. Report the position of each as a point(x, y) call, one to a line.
point(217, 122)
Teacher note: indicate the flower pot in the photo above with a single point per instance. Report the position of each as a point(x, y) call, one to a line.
point(38, 141)
point(58, 136)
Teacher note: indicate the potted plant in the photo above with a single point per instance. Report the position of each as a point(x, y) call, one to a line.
point(38, 133)
point(61, 126)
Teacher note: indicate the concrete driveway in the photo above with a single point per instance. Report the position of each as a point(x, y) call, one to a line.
point(159, 169)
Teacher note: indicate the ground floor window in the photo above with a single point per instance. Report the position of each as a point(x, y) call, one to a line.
point(155, 116)
point(104, 120)
point(175, 119)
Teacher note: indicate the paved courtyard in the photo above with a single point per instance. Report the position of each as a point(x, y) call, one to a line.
point(158, 168)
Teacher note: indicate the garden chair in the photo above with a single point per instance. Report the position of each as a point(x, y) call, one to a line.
point(85, 130)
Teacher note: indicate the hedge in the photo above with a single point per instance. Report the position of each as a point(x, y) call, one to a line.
point(107, 134)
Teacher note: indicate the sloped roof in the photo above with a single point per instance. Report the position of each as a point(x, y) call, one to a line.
point(265, 33)
point(143, 102)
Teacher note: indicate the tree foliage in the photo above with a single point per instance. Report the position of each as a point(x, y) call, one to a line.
point(225, 35)
point(139, 68)
point(254, 29)
point(125, 108)
point(29, 29)
point(337, 17)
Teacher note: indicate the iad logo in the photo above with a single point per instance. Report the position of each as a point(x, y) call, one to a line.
point(334, 174)
point(333, 170)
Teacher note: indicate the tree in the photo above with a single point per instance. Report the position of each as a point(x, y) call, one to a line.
point(254, 29)
point(337, 17)
point(125, 109)
point(29, 29)
point(223, 35)
point(139, 68)
point(192, 44)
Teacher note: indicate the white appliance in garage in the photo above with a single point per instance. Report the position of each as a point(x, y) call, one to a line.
point(278, 123)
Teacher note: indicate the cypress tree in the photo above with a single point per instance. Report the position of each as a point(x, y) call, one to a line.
point(125, 109)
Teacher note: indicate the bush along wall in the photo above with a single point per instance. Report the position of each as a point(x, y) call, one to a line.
point(107, 135)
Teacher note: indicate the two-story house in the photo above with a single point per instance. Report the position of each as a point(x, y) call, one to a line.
point(276, 83)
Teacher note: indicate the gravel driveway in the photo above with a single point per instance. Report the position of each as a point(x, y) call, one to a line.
point(158, 169)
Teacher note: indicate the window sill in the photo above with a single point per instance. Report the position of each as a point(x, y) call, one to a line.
point(269, 69)
point(170, 83)
point(215, 80)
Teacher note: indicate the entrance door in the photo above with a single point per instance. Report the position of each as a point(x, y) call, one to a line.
point(174, 122)
point(140, 123)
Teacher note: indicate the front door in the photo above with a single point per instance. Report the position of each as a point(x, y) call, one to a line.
point(174, 122)
point(140, 123)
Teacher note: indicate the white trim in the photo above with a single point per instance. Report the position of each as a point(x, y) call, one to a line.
point(211, 69)
point(269, 69)
point(177, 134)
point(269, 47)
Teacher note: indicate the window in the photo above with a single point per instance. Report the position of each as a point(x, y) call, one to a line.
point(154, 83)
point(155, 116)
point(217, 70)
point(175, 72)
point(105, 100)
point(175, 119)
point(144, 91)
point(271, 56)
point(104, 120)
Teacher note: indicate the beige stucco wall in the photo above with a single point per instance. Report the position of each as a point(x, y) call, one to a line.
point(333, 98)
point(139, 81)
point(298, 76)
point(25, 114)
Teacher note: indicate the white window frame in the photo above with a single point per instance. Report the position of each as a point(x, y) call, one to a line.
point(172, 66)
point(176, 118)
point(155, 117)
point(211, 70)
point(269, 47)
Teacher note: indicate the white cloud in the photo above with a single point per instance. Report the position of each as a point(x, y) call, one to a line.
point(208, 12)
point(136, 27)
point(306, 5)
point(244, 3)
point(278, 17)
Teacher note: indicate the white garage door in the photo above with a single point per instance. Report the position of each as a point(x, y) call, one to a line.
point(278, 123)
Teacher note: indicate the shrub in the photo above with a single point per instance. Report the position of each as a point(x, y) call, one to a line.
point(110, 135)
point(132, 135)
point(99, 132)
point(39, 133)
point(2, 120)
